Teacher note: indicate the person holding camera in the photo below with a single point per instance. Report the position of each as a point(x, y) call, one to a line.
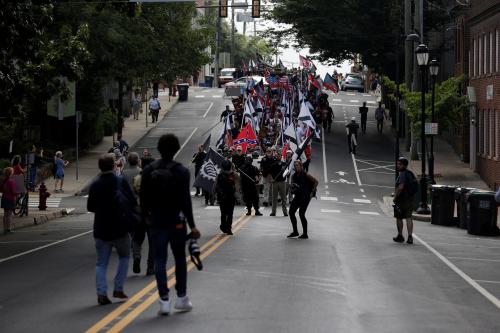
point(304, 189)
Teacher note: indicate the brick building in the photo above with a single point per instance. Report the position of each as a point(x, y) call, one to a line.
point(483, 29)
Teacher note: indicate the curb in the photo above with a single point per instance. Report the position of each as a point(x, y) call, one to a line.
point(387, 208)
point(420, 217)
point(39, 219)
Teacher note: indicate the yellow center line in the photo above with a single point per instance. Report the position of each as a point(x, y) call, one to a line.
point(128, 318)
point(148, 288)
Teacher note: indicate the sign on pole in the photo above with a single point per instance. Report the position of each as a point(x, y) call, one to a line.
point(431, 128)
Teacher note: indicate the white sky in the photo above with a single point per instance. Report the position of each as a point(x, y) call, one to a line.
point(290, 56)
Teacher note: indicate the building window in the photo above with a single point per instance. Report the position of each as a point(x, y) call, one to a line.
point(485, 54)
point(474, 57)
point(481, 130)
point(491, 134)
point(470, 60)
point(479, 55)
point(486, 132)
point(491, 52)
point(496, 66)
point(497, 130)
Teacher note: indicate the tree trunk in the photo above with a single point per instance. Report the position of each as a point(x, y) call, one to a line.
point(414, 145)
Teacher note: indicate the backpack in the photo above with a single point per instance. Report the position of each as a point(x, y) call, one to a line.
point(165, 184)
point(126, 206)
point(154, 104)
point(412, 184)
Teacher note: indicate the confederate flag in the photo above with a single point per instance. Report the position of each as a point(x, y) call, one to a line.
point(246, 138)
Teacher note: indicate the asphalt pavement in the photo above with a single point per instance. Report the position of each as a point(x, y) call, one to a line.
point(348, 277)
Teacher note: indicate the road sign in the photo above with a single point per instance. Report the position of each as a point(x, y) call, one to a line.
point(431, 128)
point(244, 17)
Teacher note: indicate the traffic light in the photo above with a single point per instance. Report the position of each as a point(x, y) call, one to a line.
point(223, 8)
point(255, 8)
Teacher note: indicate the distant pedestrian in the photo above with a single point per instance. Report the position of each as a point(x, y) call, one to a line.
point(132, 169)
point(16, 165)
point(403, 200)
point(329, 118)
point(136, 107)
point(122, 144)
point(303, 188)
point(109, 232)
point(265, 168)
point(197, 160)
point(225, 189)
point(146, 158)
point(380, 115)
point(154, 108)
point(249, 179)
point(363, 111)
point(352, 135)
point(120, 162)
point(166, 202)
point(225, 113)
point(8, 189)
point(34, 161)
point(278, 185)
point(59, 164)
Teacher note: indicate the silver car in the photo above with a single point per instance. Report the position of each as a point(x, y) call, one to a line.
point(353, 82)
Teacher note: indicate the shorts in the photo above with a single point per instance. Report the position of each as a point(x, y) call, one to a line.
point(403, 209)
point(8, 204)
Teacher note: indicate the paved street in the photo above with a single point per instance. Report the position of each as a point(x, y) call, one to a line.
point(348, 277)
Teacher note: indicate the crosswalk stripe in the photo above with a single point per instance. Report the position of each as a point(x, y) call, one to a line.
point(362, 201)
point(368, 213)
point(212, 207)
point(199, 96)
point(371, 102)
point(216, 96)
point(354, 101)
point(330, 211)
point(329, 198)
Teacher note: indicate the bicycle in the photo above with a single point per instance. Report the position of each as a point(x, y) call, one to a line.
point(21, 208)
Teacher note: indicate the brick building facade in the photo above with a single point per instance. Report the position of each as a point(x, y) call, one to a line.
point(483, 27)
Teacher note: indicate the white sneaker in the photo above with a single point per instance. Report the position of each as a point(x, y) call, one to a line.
point(183, 304)
point(164, 306)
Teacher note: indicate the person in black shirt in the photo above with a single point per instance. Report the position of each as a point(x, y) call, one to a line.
point(278, 186)
point(166, 201)
point(249, 178)
point(403, 201)
point(225, 189)
point(363, 110)
point(225, 113)
point(304, 188)
point(352, 135)
point(197, 160)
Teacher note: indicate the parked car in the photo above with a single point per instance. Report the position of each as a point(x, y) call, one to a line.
point(353, 82)
point(226, 75)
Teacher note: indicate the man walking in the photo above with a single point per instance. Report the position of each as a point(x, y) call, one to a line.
point(166, 201)
point(109, 232)
point(136, 107)
point(278, 186)
point(225, 188)
point(352, 135)
point(403, 200)
point(363, 110)
point(265, 168)
point(304, 189)
point(154, 108)
point(249, 178)
point(379, 116)
point(197, 160)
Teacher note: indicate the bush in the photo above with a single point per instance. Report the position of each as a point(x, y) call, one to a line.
point(107, 119)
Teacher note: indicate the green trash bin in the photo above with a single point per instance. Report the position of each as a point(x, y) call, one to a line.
point(461, 200)
point(482, 213)
point(182, 89)
point(443, 205)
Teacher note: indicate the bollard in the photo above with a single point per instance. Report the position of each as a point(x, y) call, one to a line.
point(43, 194)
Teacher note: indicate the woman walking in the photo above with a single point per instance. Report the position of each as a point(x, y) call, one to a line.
point(59, 164)
point(8, 189)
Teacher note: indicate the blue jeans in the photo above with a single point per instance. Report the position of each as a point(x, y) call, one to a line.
point(104, 249)
point(177, 240)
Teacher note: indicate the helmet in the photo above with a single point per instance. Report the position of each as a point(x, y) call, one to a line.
point(403, 160)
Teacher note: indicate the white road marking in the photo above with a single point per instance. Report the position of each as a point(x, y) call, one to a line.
point(356, 169)
point(368, 213)
point(86, 196)
point(327, 192)
point(364, 196)
point(185, 142)
point(326, 186)
point(69, 210)
point(367, 95)
point(330, 211)
point(217, 96)
point(212, 207)
point(45, 246)
point(362, 201)
point(361, 190)
point(199, 96)
point(325, 174)
point(383, 186)
point(350, 94)
point(487, 281)
point(464, 276)
point(477, 259)
point(371, 102)
point(354, 101)
point(329, 198)
point(336, 100)
point(208, 110)
point(341, 173)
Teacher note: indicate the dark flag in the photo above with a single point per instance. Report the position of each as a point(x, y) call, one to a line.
point(209, 171)
point(206, 144)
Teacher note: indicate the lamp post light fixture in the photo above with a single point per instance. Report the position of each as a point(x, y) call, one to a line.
point(422, 53)
point(434, 70)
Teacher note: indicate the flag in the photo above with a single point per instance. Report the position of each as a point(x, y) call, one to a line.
point(306, 117)
point(251, 64)
point(282, 67)
point(307, 64)
point(209, 171)
point(246, 138)
point(330, 83)
point(225, 129)
point(290, 134)
point(259, 88)
point(273, 82)
point(314, 82)
point(296, 155)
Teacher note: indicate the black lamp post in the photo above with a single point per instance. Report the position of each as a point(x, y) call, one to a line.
point(422, 53)
point(433, 69)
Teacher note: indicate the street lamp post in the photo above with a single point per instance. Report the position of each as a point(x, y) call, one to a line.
point(422, 53)
point(433, 69)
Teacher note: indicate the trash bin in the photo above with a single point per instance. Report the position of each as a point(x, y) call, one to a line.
point(182, 88)
point(482, 213)
point(209, 81)
point(461, 200)
point(443, 205)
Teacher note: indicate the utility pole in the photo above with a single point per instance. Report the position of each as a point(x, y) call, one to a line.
point(232, 34)
point(217, 50)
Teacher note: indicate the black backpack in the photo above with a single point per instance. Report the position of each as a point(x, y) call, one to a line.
point(411, 184)
point(164, 182)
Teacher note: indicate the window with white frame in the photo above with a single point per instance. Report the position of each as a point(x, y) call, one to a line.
point(491, 53)
point(485, 54)
point(479, 55)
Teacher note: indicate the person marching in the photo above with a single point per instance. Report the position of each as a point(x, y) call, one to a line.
point(197, 160)
point(352, 135)
point(278, 185)
point(249, 177)
point(304, 189)
point(363, 110)
point(379, 116)
point(225, 188)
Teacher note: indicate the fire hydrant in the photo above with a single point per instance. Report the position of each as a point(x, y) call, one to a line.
point(42, 197)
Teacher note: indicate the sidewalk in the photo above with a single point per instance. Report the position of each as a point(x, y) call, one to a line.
point(133, 131)
point(448, 170)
